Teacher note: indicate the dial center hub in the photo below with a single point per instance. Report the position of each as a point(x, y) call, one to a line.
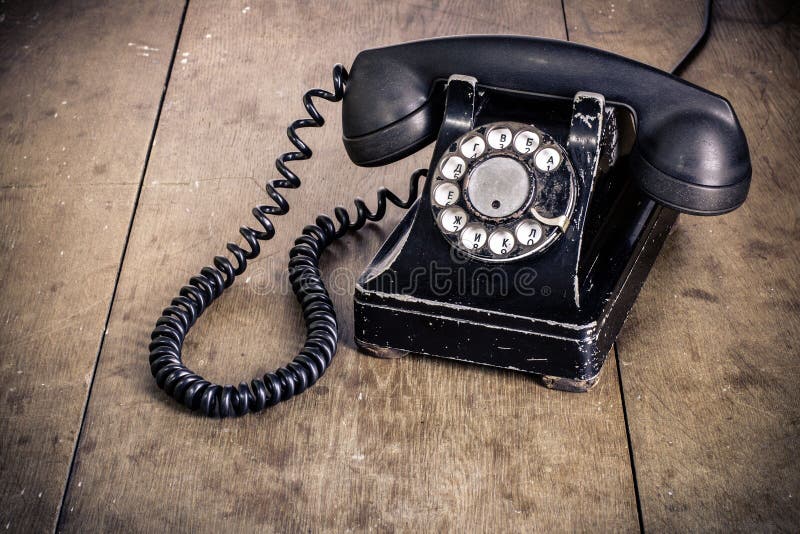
point(498, 187)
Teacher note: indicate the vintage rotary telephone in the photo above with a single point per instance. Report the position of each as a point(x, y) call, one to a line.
point(557, 173)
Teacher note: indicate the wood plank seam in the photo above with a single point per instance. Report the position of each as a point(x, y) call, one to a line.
point(121, 262)
point(616, 350)
point(566, 26)
point(619, 377)
point(630, 443)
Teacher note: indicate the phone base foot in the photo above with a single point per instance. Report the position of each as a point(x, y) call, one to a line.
point(568, 384)
point(377, 351)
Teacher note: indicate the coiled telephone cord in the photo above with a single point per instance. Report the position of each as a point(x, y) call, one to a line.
point(214, 400)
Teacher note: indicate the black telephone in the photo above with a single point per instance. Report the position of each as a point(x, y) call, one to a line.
point(557, 173)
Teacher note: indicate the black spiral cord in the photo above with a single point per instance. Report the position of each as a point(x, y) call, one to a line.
point(215, 400)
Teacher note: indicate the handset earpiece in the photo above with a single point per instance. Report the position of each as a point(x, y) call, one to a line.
point(402, 118)
point(690, 154)
point(693, 162)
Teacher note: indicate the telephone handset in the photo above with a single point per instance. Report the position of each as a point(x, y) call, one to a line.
point(557, 173)
point(690, 152)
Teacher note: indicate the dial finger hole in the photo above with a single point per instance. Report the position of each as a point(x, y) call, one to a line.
point(473, 237)
point(526, 142)
point(453, 219)
point(529, 232)
point(501, 241)
point(453, 168)
point(547, 159)
point(446, 194)
point(473, 147)
point(499, 138)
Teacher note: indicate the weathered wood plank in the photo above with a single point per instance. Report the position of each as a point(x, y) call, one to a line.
point(710, 353)
point(412, 443)
point(79, 87)
point(656, 33)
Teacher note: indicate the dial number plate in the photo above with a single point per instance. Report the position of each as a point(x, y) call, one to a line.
point(495, 187)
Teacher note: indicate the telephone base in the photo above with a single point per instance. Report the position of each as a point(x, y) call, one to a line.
point(565, 354)
point(553, 313)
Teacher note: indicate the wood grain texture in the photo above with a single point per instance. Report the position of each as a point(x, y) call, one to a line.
point(711, 352)
point(375, 445)
point(656, 33)
point(79, 88)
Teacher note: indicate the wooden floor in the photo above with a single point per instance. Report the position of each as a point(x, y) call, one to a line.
point(135, 136)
